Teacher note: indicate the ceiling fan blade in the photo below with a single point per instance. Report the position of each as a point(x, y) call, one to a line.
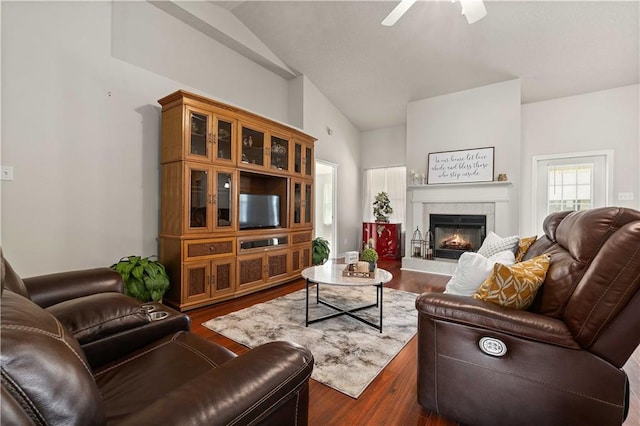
point(474, 10)
point(397, 12)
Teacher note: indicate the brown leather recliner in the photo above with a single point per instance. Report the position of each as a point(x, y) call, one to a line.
point(175, 378)
point(91, 305)
point(564, 355)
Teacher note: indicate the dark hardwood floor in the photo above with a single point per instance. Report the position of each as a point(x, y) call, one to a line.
point(391, 398)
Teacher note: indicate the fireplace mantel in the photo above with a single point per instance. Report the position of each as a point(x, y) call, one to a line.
point(450, 185)
point(476, 192)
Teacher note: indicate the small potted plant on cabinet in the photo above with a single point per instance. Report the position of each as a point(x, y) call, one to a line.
point(320, 250)
point(382, 207)
point(144, 279)
point(371, 256)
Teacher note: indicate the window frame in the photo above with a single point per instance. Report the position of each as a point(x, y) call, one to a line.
point(570, 156)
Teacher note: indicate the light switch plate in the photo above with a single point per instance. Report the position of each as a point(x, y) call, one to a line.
point(6, 173)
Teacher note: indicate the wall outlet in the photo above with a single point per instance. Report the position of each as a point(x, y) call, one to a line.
point(6, 173)
point(625, 196)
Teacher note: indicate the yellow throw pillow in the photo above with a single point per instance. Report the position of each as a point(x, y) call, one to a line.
point(523, 246)
point(515, 286)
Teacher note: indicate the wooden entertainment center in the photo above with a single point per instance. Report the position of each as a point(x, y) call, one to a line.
point(221, 164)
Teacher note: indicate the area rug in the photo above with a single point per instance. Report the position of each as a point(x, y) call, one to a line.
point(348, 354)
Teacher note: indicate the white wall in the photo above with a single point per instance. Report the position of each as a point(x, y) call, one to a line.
point(487, 116)
point(146, 36)
point(296, 102)
point(343, 148)
point(1, 183)
point(608, 119)
point(384, 147)
point(82, 128)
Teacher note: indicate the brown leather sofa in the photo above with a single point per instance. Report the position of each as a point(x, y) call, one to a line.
point(75, 350)
point(564, 355)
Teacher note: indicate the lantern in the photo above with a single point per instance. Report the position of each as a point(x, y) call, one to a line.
point(416, 243)
point(428, 246)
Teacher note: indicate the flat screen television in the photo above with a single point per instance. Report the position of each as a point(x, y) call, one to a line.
point(259, 211)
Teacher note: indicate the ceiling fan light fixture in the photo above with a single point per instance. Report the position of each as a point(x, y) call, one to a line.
point(397, 12)
point(473, 10)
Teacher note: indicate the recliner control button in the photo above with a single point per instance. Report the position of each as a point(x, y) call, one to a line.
point(492, 346)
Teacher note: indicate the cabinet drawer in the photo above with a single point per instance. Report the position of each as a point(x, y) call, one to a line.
point(301, 237)
point(203, 249)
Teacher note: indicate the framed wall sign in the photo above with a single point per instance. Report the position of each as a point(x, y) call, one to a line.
point(467, 165)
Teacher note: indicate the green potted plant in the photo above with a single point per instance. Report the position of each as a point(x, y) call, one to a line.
point(371, 256)
point(320, 250)
point(144, 279)
point(382, 207)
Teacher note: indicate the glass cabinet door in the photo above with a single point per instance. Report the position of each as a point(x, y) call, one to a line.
point(279, 153)
point(297, 158)
point(302, 159)
point(252, 149)
point(302, 203)
point(199, 136)
point(297, 203)
point(307, 204)
point(199, 199)
point(224, 140)
point(308, 160)
point(225, 187)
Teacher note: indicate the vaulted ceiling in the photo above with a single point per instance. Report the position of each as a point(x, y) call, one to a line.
point(370, 72)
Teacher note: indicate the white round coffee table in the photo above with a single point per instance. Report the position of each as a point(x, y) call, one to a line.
point(331, 274)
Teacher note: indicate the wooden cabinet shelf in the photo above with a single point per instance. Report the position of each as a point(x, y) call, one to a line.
point(211, 154)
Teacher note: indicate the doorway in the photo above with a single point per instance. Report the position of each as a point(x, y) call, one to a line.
point(325, 202)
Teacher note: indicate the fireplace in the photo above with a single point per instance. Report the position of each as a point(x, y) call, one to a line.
point(456, 233)
point(497, 201)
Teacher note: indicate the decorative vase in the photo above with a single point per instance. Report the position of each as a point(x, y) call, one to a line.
point(372, 266)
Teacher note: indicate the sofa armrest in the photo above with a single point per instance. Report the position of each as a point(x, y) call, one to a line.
point(105, 350)
point(482, 314)
point(266, 385)
point(47, 290)
point(97, 316)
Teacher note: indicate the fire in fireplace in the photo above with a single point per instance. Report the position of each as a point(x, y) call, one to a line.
point(456, 242)
point(456, 233)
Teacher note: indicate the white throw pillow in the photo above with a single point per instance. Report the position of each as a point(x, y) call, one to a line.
point(473, 269)
point(494, 244)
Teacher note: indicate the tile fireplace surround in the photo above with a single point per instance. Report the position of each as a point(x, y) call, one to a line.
point(493, 199)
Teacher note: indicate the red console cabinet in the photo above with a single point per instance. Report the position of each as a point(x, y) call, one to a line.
point(383, 237)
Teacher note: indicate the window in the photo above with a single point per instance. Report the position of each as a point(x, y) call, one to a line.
point(570, 187)
point(393, 181)
point(572, 181)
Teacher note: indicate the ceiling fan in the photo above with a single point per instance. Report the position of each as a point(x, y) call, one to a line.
point(473, 10)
